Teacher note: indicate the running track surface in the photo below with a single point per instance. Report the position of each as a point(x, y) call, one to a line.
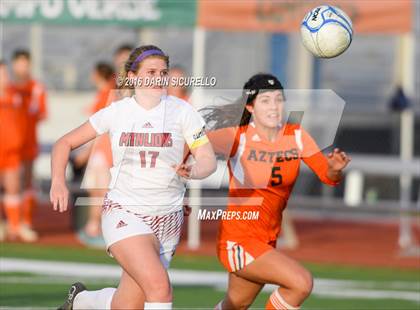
point(321, 241)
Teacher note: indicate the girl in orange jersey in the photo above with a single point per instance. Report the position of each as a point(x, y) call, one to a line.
point(11, 137)
point(35, 104)
point(98, 157)
point(263, 159)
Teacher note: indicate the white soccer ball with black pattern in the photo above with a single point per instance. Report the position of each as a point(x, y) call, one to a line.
point(326, 31)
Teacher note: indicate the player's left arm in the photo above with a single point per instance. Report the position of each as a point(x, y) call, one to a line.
point(328, 168)
point(337, 161)
point(194, 132)
point(205, 163)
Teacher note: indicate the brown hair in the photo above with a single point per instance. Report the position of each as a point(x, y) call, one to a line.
point(131, 62)
point(236, 113)
point(229, 115)
point(124, 48)
point(104, 70)
point(21, 53)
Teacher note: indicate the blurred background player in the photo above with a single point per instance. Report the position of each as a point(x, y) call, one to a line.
point(12, 139)
point(34, 101)
point(102, 77)
point(177, 90)
point(121, 55)
point(92, 163)
point(97, 158)
point(264, 154)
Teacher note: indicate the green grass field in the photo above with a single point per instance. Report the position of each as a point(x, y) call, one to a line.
point(30, 290)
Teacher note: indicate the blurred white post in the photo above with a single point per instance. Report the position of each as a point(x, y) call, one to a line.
point(406, 78)
point(406, 153)
point(1, 40)
point(353, 190)
point(146, 36)
point(302, 64)
point(301, 69)
point(199, 46)
point(36, 50)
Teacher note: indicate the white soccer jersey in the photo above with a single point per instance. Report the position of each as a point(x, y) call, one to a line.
point(145, 145)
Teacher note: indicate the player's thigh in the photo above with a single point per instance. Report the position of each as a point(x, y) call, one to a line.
point(129, 294)
point(241, 292)
point(277, 268)
point(139, 257)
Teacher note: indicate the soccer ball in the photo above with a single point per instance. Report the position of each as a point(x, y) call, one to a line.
point(326, 31)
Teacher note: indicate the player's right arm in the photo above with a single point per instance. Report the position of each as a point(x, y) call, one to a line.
point(99, 123)
point(59, 193)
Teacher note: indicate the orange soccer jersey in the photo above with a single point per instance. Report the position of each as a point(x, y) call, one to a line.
point(262, 176)
point(103, 98)
point(11, 129)
point(103, 144)
point(34, 100)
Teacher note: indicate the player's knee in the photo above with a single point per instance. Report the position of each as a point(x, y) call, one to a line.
point(242, 304)
point(303, 284)
point(236, 302)
point(159, 291)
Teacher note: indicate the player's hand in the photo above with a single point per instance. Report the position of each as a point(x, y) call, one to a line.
point(187, 210)
point(337, 160)
point(183, 170)
point(59, 196)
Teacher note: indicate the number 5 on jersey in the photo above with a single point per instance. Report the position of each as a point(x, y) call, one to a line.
point(153, 156)
point(276, 177)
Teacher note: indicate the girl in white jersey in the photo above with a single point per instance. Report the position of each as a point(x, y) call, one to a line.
point(142, 213)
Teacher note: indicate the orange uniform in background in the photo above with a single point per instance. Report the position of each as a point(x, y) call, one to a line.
point(34, 102)
point(103, 98)
point(12, 116)
point(12, 121)
point(102, 144)
point(34, 99)
point(262, 176)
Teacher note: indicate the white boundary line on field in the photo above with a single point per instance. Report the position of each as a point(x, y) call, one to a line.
point(107, 273)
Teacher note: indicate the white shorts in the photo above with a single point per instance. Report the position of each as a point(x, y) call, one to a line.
point(119, 223)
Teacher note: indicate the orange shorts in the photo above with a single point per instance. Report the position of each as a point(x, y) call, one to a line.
point(235, 255)
point(10, 159)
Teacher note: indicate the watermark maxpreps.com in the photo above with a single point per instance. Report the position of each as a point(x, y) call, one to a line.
point(220, 214)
